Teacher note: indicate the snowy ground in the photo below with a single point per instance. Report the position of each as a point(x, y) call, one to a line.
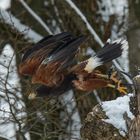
point(115, 110)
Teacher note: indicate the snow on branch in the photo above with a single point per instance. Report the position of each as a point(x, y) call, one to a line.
point(5, 4)
point(11, 20)
point(89, 27)
point(74, 124)
point(43, 24)
point(115, 111)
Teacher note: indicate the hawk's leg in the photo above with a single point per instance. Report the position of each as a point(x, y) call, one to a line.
point(102, 75)
point(121, 89)
point(117, 83)
point(113, 76)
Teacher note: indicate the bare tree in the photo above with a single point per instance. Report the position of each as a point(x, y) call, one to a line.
point(24, 24)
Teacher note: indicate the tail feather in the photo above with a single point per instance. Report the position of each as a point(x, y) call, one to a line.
point(109, 52)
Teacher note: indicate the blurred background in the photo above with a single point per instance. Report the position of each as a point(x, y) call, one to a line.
point(25, 22)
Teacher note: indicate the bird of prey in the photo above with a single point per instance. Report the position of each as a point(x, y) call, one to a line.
point(52, 63)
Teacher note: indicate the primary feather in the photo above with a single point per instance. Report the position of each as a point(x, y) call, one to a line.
point(43, 50)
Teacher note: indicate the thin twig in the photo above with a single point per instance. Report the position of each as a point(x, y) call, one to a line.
point(97, 97)
point(89, 27)
point(42, 23)
point(11, 20)
point(8, 98)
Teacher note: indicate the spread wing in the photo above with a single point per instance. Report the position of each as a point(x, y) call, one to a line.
point(52, 69)
point(43, 49)
point(66, 53)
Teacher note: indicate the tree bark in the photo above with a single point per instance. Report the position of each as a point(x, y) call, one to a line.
point(133, 35)
point(94, 128)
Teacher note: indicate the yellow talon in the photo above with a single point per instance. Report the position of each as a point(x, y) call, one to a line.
point(120, 88)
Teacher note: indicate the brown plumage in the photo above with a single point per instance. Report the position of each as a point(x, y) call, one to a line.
point(49, 59)
point(89, 81)
point(52, 63)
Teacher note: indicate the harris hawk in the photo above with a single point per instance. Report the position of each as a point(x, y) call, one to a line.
point(52, 63)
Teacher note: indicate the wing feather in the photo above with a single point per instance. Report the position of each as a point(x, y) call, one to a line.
point(43, 49)
point(55, 67)
point(46, 41)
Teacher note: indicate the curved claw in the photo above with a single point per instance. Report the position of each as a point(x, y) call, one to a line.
point(120, 88)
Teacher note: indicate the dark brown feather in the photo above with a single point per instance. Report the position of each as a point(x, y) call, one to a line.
point(51, 70)
point(45, 91)
point(46, 41)
point(48, 75)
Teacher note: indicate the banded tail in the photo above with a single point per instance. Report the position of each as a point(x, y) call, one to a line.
point(109, 52)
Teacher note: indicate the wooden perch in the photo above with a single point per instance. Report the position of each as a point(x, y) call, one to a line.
point(94, 128)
